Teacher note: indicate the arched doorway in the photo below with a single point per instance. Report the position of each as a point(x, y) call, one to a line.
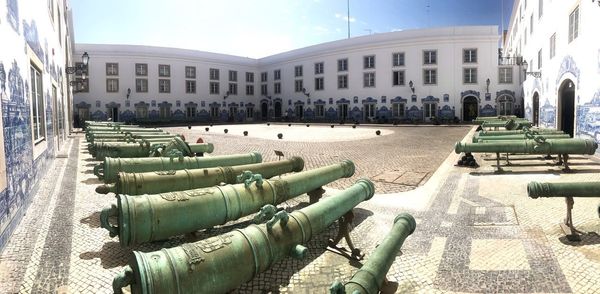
point(566, 107)
point(536, 109)
point(264, 110)
point(470, 108)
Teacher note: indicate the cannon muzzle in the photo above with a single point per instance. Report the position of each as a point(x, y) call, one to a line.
point(370, 277)
point(145, 218)
point(221, 263)
point(563, 189)
point(188, 179)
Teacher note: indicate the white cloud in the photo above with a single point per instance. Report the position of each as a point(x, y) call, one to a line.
point(397, 30)
point(344, 17)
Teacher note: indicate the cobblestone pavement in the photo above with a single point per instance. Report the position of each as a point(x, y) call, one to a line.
point(477, 232)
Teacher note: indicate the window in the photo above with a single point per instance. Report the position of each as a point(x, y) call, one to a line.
point(164, 70)
point(429, 76)
point(249, 89)
point(539, 59)
point(531, 24)
point(164, 86)
point(214, 87)
point(298, 85)
point(190, 87)
point(249, 112)
point(505, 75)
point(112, 85)
point(81, 70)
point(249, 77)
point(540, 8)
point(430, 57)
point(233, 76)
point(213, 74)
point(398, 109)
point(141, 111)
point(232, 89)
point(319, 84)
point(37, 105)
point(263, 90)
point(343, 82)
point(574, 24)
point(82, 85)
point(470, 75)
point(164, 111)
point(141, 85)
point(319, 68)
point(398, 59)
point(369, 79)
point(277, 74)
point(112, 69)
point(552, 45)
point(263, 76)
point(190, 72)
point(469, 55)
point(298, 71)
point(277, 88)
point(369, 61)
point(141, 69)
point(398, 78)
point(343, 64)
point(319, 110)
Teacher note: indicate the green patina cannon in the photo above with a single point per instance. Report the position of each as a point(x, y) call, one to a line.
point(175, 147)
point(525, 136)
point(510, 124)
point(123, 136)
point(108, 170)
point(221, 263)
point(146, 218)
point(569, 190)
point(538, 145)
point(103, 148)
point(481, 119)
point(534, 131)
point(188, 179)
point(371, 276)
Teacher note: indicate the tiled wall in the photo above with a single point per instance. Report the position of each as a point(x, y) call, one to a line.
point(26, 30)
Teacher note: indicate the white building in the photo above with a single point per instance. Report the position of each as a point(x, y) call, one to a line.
point(559, 47)
point(365, 78)
point(35, 99)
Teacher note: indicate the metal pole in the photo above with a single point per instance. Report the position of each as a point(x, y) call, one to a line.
point(348, 5)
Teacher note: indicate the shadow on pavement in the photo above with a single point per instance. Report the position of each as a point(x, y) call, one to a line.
point(111, 255)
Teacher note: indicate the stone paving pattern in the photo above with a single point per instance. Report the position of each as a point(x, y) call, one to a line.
point(479, 233)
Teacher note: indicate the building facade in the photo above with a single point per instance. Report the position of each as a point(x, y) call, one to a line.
point(558, 52)
point(35, 99)
point(413, 75)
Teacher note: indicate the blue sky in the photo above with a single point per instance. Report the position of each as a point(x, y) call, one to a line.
point(258, 28)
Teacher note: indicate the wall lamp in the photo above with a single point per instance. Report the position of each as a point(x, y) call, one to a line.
point(128, 92)
point(85, 58)
point(411, 85)
point(487, 85)
point(305, 93)
point(226, 95)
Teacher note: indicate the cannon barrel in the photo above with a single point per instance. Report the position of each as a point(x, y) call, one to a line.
point(518, 132)
point(110, 168)
point(188, 179)
point(221, 263)
point(518, 137)
point(175, 147)
point(552, 146)
point(370, 277)
point(147, 218)
point(563, 189)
